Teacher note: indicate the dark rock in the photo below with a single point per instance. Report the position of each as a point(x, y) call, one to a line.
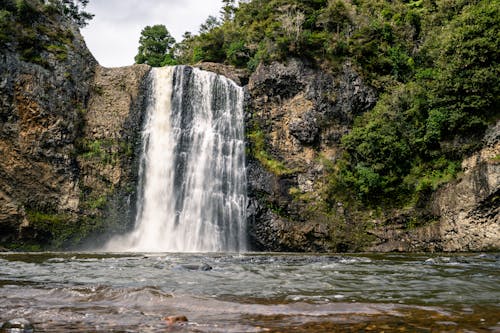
point(194, 267)
point(18, 325)
point(305, 129)
point(277, 79)
point(492, 135)
point(302, 111)
point(41, 107)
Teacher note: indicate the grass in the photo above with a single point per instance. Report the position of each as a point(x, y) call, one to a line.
point(257, 137)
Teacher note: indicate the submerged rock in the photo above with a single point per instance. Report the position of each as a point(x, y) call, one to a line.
point(18, 325)
point(173, 320)
point(194, 267)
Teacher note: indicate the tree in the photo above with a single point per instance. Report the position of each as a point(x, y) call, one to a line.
point(228, 10)
point(155, 47)
point(211, 23)
point(72, 9)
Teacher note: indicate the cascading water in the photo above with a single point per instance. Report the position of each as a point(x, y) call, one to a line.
point(192, 177)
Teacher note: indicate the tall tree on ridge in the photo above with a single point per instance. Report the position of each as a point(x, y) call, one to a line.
point(155, 46)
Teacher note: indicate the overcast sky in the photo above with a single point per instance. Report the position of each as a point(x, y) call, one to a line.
point(113, 34)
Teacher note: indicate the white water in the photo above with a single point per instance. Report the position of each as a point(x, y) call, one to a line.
point(192, 177)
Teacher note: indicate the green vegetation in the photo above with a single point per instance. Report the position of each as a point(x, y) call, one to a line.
point(32, 28)
point(433, 63)
point(72, 9)
point(155, 46)
point(257, 138)
point(52, 226)
point(420, 130)
point(105, 151)
point(60, 231)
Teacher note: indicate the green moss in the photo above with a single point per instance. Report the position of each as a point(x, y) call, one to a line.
point(105, 151)
point(99, 90)
point(58, 228)
point(60, 51)
point(257, 137)
point(127, 149)
point(97, 203)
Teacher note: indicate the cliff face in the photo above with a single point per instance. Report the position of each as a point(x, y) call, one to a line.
point(41, 109)
point(109, 147)
point(296, 116)
point(68, 131)
point(70, 139)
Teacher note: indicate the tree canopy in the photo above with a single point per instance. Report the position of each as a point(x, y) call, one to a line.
point(155, 46)
point(433, 63)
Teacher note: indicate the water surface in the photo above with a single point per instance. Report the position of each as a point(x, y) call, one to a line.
point(89, 292)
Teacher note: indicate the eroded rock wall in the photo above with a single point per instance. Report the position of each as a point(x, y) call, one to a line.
point(41, 109)
point(69, 132)
point(109, 148)
point(296, 116)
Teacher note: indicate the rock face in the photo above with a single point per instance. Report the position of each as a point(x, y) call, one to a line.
point(110, 145)
point(467, 210)
point(239, 76)
point(41, 111)
point(68, 140)
point(296, 116)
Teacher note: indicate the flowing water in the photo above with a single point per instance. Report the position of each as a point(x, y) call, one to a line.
point(78, 292)
point(191, 197)
point(192, 178)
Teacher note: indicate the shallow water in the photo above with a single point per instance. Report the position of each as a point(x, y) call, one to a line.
point(78, 292)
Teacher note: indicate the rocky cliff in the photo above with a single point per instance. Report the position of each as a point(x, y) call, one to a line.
point(43, 100)
point(296, 116)
point(69, 141)
point(68, 131)
point(466, 211)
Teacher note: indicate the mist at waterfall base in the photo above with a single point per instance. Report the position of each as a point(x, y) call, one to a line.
point(192, 177)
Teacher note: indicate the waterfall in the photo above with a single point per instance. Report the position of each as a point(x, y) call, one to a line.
point(192, 177)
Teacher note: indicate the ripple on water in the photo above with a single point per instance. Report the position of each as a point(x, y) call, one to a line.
point(250, 293)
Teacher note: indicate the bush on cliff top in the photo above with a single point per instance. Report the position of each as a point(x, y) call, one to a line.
point(434, 64)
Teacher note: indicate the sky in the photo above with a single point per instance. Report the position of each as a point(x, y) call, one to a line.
point(113, 34)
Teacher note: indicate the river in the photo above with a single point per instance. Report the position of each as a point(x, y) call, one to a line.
point(253, 292)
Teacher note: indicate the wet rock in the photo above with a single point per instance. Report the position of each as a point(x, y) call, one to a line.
point(205, 267)
point(194, 267)
point(18, 325)
point(174, 320)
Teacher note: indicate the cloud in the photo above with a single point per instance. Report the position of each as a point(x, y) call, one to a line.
point(113, 34)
